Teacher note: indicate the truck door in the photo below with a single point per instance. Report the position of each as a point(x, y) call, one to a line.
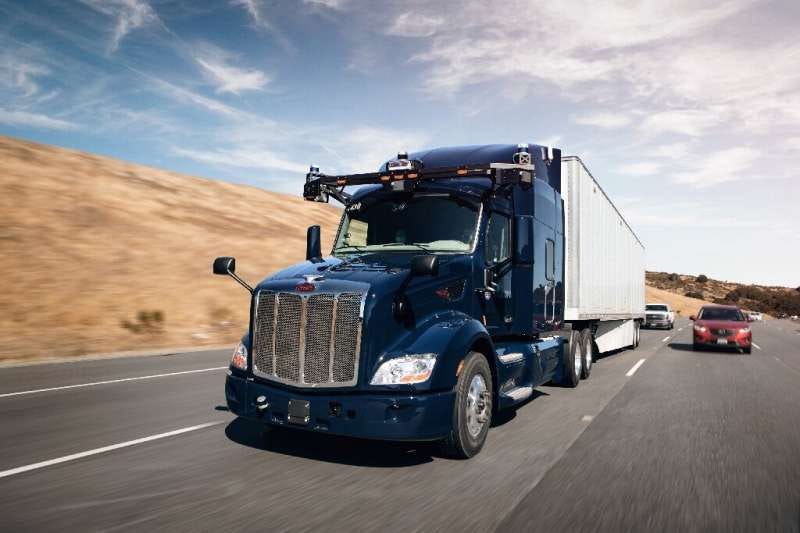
point(498, 311)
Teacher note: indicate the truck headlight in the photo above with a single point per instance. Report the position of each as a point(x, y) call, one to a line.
point(239, 357)
point(411, 368)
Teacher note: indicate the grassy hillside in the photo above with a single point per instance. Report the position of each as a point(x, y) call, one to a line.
point(101, 255)
point(766, 299)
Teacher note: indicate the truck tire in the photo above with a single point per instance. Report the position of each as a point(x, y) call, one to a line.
point(571, 361)
point(637, 334)
point(587, 352)
point(472, 410)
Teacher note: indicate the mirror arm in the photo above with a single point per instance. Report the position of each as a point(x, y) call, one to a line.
point(241, 282)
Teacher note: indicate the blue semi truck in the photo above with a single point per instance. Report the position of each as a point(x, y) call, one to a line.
point(460, 279)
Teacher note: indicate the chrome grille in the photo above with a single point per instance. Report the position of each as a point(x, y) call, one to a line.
point(722, 332)
point(307, 340)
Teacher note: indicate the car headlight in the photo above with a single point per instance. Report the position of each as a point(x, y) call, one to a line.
point(699, 328)
point(744, 330)
point(412, 368)
point(239, 357)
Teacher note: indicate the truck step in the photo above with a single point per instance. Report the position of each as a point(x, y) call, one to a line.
point(518, 394)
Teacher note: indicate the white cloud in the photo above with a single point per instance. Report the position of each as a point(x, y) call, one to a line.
point(243, 157)
point(645, 168)
point(792, 143)
point(34, 120)
point(233, 79)
point(330, 4)
point(603, 120)
point(182, 95)
point(692, 122)
point(365, 148)
point(256, 10)
point(20, 74)
point(415, 25)
point(128, 15)
point(673, 150)
point(719, 167)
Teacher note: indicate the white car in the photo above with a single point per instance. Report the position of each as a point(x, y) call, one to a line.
point(658, 315)
point(756, 316)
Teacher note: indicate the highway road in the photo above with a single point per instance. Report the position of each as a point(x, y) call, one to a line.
point(660, 439)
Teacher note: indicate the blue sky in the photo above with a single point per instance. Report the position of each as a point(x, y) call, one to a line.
point(688, 112)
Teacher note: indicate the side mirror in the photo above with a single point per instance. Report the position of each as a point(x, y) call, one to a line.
point(425, 265)
point(226, 266)
point(523, 240)
point(692, 318)
point(313, 245)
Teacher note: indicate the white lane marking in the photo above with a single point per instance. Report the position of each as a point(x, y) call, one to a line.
point(122, 380)
point(665, 339)
point(633, 370)
point(104, 449)
point(756, 346)
point(587, 418)
point(680, 329)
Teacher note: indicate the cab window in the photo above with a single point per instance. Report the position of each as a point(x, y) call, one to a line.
point(498, 232)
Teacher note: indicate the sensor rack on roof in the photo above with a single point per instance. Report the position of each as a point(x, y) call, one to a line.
point(320, 186)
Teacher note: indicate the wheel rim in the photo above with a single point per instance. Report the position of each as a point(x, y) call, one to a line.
point(578, 361)
point(478, 405)
point(589, 354)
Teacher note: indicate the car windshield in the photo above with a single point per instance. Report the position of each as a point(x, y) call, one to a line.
point(656, 308)
point(711, 313)
point(403, 222)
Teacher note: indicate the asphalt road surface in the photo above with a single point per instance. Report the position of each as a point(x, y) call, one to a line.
point(705, 441)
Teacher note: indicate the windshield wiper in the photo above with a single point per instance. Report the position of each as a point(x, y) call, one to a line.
point(422, 247)
point(354, 247)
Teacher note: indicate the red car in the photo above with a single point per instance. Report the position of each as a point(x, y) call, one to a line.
point(722, 326)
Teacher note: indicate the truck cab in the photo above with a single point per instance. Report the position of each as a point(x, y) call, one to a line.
point(442, 301)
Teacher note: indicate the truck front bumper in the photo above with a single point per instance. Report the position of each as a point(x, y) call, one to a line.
point(414, 417)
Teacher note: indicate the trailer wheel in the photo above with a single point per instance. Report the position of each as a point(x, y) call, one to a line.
point(587, 352)
point(572, 361)
point(637, 334)
point(472, 412)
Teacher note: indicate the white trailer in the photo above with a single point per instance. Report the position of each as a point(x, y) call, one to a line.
point(604, 264)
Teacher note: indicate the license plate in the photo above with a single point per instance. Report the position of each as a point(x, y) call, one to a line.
point(299, 412)
point(722, 341)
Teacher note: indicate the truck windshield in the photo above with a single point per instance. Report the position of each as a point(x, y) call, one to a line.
point(401, 223)
point(656, 308)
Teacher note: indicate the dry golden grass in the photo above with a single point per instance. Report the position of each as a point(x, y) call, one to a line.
point(89, 242)
point(682, 305)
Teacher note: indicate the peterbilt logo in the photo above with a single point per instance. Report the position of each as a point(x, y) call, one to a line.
point(307, 285)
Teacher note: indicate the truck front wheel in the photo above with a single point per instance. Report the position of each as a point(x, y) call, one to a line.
point(472, 412)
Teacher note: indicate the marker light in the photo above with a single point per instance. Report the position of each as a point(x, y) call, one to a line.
point(239, 358)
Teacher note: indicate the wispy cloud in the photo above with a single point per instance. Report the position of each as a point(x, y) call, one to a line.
point(34, 120)
point(182, 95)
point(691, 122)
point(255, 10)
point(242, 157)
point(718, 167)
point(603, 120)
point(330, 4)
point(645, 168)
point(21, 74)
point(231, 79)
point(128, 15)
point(415, 25)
